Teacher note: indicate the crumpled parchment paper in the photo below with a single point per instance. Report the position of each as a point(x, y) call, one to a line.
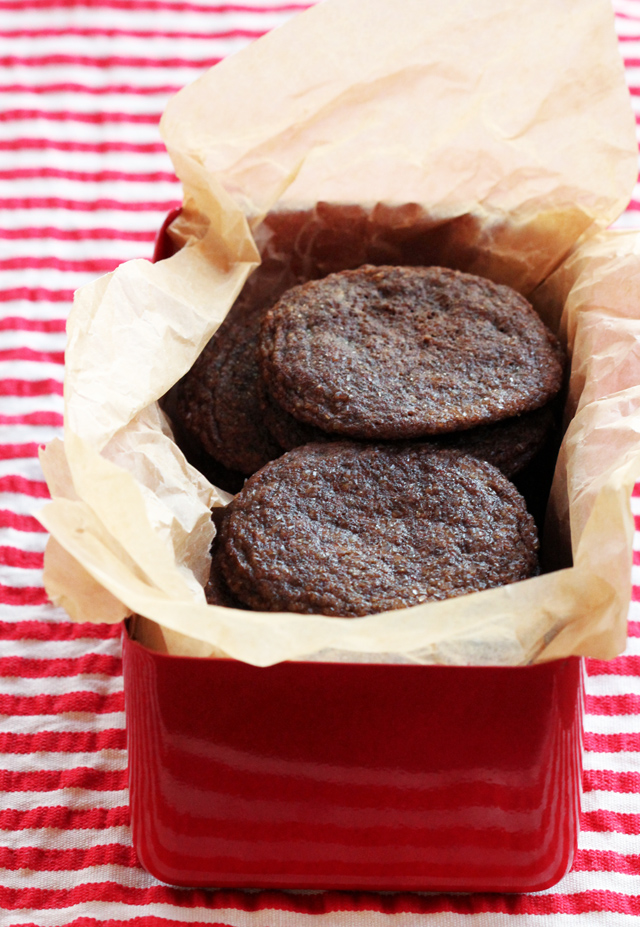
point(496, 138)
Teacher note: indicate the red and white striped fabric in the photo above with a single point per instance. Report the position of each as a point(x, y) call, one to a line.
point(84, 184)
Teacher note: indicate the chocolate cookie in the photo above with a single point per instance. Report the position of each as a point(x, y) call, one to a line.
point(286, 430)
point(217, 591)
point(217, 402)
point(403, 352)
point(510, 444)
point(346, 529)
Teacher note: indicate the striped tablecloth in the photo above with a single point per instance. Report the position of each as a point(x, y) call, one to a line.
point(84, 184)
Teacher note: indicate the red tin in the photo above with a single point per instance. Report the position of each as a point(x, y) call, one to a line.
point(353, 776)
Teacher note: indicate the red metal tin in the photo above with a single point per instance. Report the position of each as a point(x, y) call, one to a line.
point(353, 776)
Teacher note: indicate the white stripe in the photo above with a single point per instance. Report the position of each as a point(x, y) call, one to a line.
point(620, 802)
point(45, 612)
point(616, 762)
point(612, 685)
point(78, 799)
point(61, 685)
point(140, 133)
point(19, 578)
point(633, 645)
point(627, 844)
point(56, 839)
point(63, 723)
point(57, 761)
point(133, 191)
point(24, 540)
point(125, 876)
point(37, 341)
point(25, 405)
point(60, 650)
point(612, 724)
point(20, 503)
point(124, 46)
point(61, 217)
point(47, 277)
point(204, 21)
point(28, 467)
point(115, 249)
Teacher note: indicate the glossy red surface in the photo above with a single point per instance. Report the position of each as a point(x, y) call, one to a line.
point(321, 775)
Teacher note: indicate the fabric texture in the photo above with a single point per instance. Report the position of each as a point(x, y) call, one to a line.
point(84, 184)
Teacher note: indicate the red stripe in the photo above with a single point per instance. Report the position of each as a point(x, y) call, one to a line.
point(104, 90)
point(80, 777)
point(606, 861)
point(633, 627)
point(88, 702)
point(36, 488)
point(109, 61)
point(28, 173)
point(93, 265)
point(602, 822)
point(611, 743)
point(19, 323)
point(612, 705)
point(178, 6)
point(609, 781)
point(10, 519)
point(100, 234)
point(57, 630)
point(92, 664)
point(621, 666)
point(15, 451)
point(38, 144)
point(64, 819)
point(636, 490)
point(133, 33)
point(62, 742)
point(14, 115)
point(29, 354)
point(23, 595)
point(54, 202)
point(25, 559)
point(36, 295)
point(320, 903)
point(33, 418)
point(14, 387)
point(38, 859)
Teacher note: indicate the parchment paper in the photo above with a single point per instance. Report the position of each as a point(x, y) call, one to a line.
point(497, 138)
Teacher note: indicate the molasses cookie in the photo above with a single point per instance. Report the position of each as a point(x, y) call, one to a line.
point(345, 529)
point(510, 444)
point(402, 352)
point(217, 402)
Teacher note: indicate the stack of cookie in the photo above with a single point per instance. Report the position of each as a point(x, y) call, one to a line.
point(391, 388)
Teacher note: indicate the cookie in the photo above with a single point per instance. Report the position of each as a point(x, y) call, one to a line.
point(345, 529)
point(286, 430)
point(403, 352)
point(217, 401)
point(510, 444)
point(217, 591)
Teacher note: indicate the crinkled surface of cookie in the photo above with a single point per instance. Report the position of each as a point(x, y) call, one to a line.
point(345, 529)
point(509, 444)
point(402, 352)
point(217, 401)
